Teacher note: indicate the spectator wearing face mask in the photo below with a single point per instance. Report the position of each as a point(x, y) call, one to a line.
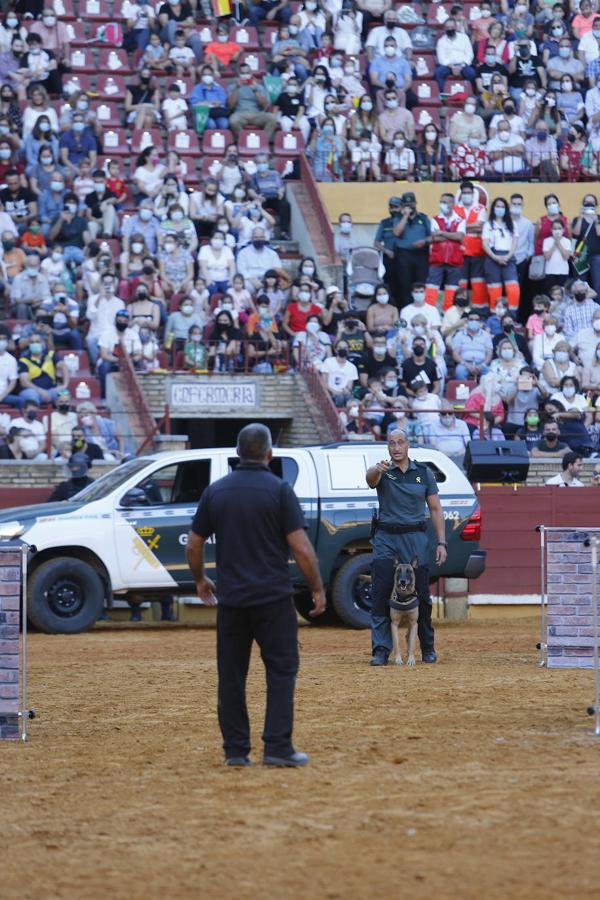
point(64, 311)
point(541, 153)
point(31, 421)
point(206, 207)
point(290, 108)
point(489, 68)
point(339, 375)
point(21, 444)
point(524, 67)
point(454, 54)
point(176, 267)
point(419, 368)
point(195, 352)
point(180, 322)
point(76, 143)
point(535, 322)
point(472, 349)
point(41, 372)
point(466, 125)
point(413, 237)
point(254, 260)
point(506, 152)
point(505, 369)
point(287, 52)
point(418, 306)
point(180, 227)
point(451, 435)
point(375, 360)
point(62, 419)
point(469, 159)
point(425, 406)
point(586, 340)
point(142, 310)
point(543, 227)
point(455, 318)
point(344, 240)
point(216, 264)
point(530, 431)
point(70, 230)
point(268, 187)
point(570, 395)
point(392, 63)
point(508, 333)
point(381, 315)
point(248, 103)
point(54, 35)
point(100, 207)
point(117, 341)
point(469, 208)
point(78, 470)
point(446, 255)
point(312, 344)
point(586, 234)
point(209, 92)
point(394, 118)
point(101, 310)
point(559, 366)
point(499, 238)
point(544, 344)
point(557, 252)
point(29, 289)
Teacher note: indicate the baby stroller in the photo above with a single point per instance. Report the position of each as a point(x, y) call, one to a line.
point(363, 270)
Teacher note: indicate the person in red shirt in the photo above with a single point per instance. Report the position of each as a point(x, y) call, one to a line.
point(33, 239)
point(221, 53)
point(298, 311)
point(115, 183)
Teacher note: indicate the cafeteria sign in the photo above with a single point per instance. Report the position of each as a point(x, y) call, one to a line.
point(194, 397)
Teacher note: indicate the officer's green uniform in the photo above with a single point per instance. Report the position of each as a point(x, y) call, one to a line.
point(402, 500)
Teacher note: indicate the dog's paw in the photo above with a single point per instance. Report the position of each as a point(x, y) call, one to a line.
point(410, 661)
point(398, 660)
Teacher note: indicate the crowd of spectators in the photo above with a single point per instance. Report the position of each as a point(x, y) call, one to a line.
point(489, 341)
point(172, 260)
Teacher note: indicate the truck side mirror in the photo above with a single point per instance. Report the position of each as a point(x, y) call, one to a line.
point(134, 497)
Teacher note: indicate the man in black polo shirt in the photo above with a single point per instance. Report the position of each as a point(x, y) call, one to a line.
point(257, 521)
point(420, 367)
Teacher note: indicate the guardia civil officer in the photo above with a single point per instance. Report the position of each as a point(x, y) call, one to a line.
point(403, 488)
point(257, 521)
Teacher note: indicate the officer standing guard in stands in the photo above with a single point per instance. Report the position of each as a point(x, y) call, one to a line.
point(403, 488)
point(257, 522)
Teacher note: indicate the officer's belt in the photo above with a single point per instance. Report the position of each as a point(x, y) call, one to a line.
point(401, 529)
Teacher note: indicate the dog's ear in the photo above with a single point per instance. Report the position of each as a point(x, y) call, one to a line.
point(414, 562)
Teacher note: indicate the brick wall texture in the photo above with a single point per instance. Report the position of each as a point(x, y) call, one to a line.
point(569, 589)
point(10, 587)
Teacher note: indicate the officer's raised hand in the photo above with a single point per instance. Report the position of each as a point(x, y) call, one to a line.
point(374, 473)
point(383, 465)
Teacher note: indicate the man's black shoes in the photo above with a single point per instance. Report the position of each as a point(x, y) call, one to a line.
point(379, 658)
point(238, 761)
point(430, 656)
point(291, 762)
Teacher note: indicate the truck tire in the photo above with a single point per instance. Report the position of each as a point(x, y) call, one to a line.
point(65, 596)
point(351, 593)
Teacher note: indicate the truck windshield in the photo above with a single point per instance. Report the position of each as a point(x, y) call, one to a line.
point(107, 483)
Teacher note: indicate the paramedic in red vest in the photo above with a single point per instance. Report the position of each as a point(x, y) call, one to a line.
point(445, 254)
point(41, 373)
point(472, 211)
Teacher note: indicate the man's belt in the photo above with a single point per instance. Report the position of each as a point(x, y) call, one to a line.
point(401, 529)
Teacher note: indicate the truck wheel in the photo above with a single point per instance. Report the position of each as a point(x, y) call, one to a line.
point(351, 593)
point(65, 596)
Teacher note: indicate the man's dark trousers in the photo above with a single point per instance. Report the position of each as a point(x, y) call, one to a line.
point(411, 266)
point(382, 574)
point(275, 629)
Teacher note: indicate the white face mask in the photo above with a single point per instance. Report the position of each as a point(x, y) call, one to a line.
point(504, 136)
point(399, 143)
point(313, 327)
point(431, 135)
point(29, 446)
point(569, 391)
point(367, 106)
point(137, 247)
point(470, 108)
point(507, 353)
point(379, 351)
point(552, 208)
point(445, 208)
point(418, 297)
point(382, 298)
point(467, 199)
point(550, 330)
point(304, 296)
point(389, 50)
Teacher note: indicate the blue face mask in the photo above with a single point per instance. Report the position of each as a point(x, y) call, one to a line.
point(473, 326)
point(500, 212)
point(542, 136)
point(328, 129)
point(262, 167)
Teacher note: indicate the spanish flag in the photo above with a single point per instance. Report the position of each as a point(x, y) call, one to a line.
point(221, 7)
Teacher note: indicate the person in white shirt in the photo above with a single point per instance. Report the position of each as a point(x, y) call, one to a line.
point(255, 259)
point(499, 238)
point(454, 53)
point(339, 374)
point(30, 420)
point(419, 307)
point(425, 405)
point(8, 374)
point(62, 419)
point(312, 345)
point(569, 395)
point(390, 28)
point(543, 345)
point(182, 56)
point(101, 311)
point(586, 341)
point(451, 435)
point(174, 108)
point(506, 151)
point(216, 264)
point(589, 45)
point(557, 253)
point(571, 468)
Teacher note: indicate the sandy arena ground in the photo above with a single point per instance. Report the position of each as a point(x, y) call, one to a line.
point(475, 778)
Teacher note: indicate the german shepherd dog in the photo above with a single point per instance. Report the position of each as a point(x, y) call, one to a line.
point(404, 610)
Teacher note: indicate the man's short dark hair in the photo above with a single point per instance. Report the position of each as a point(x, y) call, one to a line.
point(570, 458)
point(254, 442)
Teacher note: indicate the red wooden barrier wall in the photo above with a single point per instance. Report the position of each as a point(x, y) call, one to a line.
point(510, 538)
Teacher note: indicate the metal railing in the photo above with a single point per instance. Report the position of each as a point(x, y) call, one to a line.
point(320, 395)
point(310, 183)
point(147, 421)
point(364, 415)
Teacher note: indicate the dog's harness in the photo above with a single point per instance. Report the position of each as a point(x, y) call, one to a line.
point(404, 605)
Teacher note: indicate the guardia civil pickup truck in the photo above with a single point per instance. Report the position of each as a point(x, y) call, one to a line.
point(124, 536)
